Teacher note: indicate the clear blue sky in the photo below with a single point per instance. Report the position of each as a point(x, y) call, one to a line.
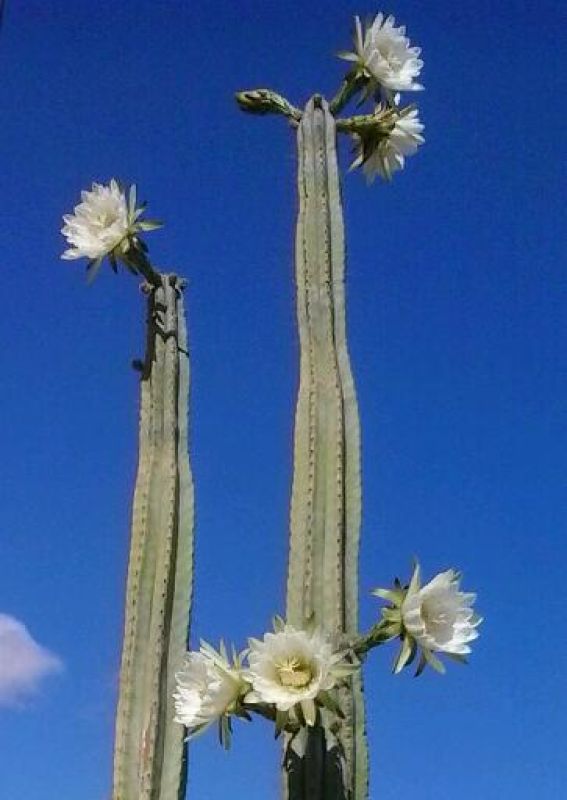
point(457, 320)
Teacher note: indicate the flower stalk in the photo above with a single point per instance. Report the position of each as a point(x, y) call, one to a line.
point(350, 86)
point(265, 101)
point(137, 261)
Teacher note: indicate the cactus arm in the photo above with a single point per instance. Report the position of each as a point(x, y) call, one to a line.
point(353, 705)
point(126, 749)
point(164, 512)
point(315, 588)
point(149, 753)
point(326, 496)
point(141, 573)
point(174, 746)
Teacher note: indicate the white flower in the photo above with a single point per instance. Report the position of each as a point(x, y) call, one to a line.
point(439, 616)
point(104, 224)
point(384, 55)
point(387, 155)
point(293, 667)
point(98, 224)
point(207, 688)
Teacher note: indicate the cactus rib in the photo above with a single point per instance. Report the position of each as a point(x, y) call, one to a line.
point(149, 750)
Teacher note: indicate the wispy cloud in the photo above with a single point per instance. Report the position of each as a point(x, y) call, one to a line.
point(23, 662)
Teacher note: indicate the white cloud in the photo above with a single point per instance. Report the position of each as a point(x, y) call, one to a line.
point(23, 662)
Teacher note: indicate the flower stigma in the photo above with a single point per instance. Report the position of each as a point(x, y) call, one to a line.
point(294, 672)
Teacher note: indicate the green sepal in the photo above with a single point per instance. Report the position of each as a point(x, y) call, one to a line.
point(281, 721)
point(367, 91)
point(414, 583)
point(405, 655)
point(434, 662)
point(278, 623)
point(225, 731)
point(150, 225)
point(392, 615)
point(300, 715)
point(457, 657)
point(132, 199)
point(139, 244)
point(385, 633)
point(394, 596)
point(93, 268)
point(346, 55)
point(328, 701)
point(421, 665)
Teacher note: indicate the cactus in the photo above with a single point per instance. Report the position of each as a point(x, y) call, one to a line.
point(322, 583)
point(149, 760)
point(305, 677)
point(330, 758)
point(326, 497)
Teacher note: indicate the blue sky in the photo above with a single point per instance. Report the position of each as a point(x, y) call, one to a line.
point(457, 324)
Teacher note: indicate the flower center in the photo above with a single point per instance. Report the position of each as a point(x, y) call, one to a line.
point(294, 673)
point(438, 621)
point(426, 614)
point(107, 218)
point(392, 60)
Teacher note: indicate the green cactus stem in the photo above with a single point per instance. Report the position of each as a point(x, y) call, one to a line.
point(322, 584)
point(149, 758)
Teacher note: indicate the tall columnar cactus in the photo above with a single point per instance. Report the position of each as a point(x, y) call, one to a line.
point(149, 757)
point(326, 498)
point(149, 750)
point(322, 586)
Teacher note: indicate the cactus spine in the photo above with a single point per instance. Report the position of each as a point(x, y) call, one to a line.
point(326, 496)
point(149, 759)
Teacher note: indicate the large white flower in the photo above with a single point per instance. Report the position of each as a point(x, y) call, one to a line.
point(383, 54)
point(438, 616)
point(387, 155)
point(104, 224)
point(208, 688)
point(293, 667)
point(98, 224)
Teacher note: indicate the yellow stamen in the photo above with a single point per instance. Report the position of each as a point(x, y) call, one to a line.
point(294, 673)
